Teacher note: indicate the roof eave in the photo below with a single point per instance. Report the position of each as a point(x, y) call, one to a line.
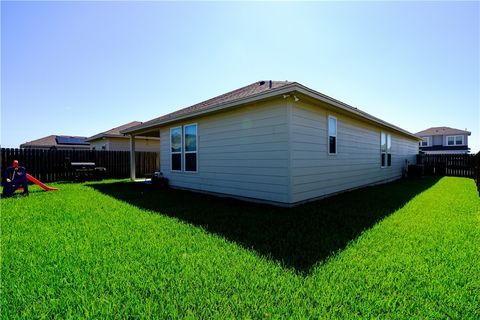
point(292, 87)
point(343, 106)
point(257, 97)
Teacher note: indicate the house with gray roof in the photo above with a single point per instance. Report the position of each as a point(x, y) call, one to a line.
point(277, 142)
point(113, 140)
point(444, 140)
point(58, 142)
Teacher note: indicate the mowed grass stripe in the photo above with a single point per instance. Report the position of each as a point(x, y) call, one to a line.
point(422, 261)
point(81, 253)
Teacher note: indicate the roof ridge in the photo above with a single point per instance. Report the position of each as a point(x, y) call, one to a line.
point(242, 92)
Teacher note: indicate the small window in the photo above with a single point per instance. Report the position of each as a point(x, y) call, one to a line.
point(332, 135)
point(190, 138)
point(450, 141)
point(389, 150)
point(176, 148)
point(385, 150)
point(458, 140)
point(424, 142)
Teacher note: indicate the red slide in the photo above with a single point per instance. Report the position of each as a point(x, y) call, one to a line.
point(38, 182)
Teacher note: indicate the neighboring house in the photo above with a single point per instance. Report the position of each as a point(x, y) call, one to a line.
point(113, 140)
point(58, 142)
point(279, 142)
point(444, 140)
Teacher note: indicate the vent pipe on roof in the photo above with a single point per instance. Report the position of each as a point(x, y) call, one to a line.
point(270, 84)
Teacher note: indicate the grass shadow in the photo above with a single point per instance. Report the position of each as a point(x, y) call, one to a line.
point(298, 237)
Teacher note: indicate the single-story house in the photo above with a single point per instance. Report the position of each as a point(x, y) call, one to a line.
point(444, 140)
point(279, 142)
point(113, 140)
point(58, 143)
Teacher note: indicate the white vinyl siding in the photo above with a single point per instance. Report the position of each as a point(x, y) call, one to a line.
point(278, 151)
point(242, 152)
point(315, 174)
point(149, 144)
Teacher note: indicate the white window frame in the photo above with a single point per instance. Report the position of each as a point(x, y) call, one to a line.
point(188, 152)
point(328, 135)
point(176, 152)
point(427, 140)
point(446, 140)
point(455, 140)
point(387, 151)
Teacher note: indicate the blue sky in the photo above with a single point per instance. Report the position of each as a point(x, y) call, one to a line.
point(79, 68)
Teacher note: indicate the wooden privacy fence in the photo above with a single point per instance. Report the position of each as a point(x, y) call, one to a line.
point(458, 165)
point(54, 165)
point(476, 164)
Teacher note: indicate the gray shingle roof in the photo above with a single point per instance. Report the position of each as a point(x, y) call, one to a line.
point(241, 93)
point(51, 141)
point(441, 131)
point(256, 91)
point(114, 132)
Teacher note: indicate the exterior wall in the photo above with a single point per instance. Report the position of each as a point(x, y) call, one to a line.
point(123, 144)
point(277, 151)
point(437, 140)
point(241, 152)
point(98, 144)
point(441, 141)
point(315, 173)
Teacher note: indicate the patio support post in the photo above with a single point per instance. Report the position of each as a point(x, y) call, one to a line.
point(132, 157)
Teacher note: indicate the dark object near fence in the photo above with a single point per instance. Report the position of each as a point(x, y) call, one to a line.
point(415, 170)
point(87, 171)
point(55, 165)
point(159, 181)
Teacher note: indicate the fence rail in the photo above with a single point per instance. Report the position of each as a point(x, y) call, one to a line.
point(54, 165)
point(458, 165)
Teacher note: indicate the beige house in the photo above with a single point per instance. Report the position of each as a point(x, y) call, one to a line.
point(444, 140)
point(113, 140)
point(58, 142)
point(278, 142)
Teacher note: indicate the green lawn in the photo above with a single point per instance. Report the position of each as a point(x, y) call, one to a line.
point(409, 249)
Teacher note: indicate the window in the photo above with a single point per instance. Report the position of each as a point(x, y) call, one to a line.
point(184, 148)
point(176, 148)
point(458, 140)
point(332, 135)
point(454, 140)
point(385, 150)
point(389, 150)
point(425, 142)
point(190, 132)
